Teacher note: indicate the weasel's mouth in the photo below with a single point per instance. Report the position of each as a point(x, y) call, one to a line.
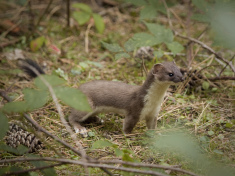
point(178, 81)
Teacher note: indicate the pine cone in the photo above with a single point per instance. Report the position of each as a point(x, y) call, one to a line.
point(17, 135)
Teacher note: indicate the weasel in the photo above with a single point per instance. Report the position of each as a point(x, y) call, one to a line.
point(135, 102)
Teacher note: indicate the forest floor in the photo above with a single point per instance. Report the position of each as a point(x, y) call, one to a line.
point(203, 112)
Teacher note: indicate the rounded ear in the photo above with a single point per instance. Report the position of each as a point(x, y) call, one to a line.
point(157, 68)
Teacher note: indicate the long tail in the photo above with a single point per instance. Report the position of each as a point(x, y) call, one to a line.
point(25, 66)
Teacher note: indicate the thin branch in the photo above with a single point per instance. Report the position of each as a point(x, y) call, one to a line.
point(4, 34)
point(106, 162)
point(168, 13)
point(207, 48)
point(87, 37)
point(47, 8)
point(68, 12)
point(85, 164)
point(11, 42)
point(221, 78)
point(226, 66)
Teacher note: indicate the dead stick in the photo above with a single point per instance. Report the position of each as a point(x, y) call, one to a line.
point(40, 19)
point(207, 48)
point(222, 78)
point(68, 13)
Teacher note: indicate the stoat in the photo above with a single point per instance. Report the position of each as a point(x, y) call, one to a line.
point(135, 102)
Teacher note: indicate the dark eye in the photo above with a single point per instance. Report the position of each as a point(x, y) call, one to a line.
point(171, 74)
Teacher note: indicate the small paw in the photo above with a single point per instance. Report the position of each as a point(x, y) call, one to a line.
point(82, 131)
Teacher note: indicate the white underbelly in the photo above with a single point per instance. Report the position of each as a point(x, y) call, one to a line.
point(106, 109)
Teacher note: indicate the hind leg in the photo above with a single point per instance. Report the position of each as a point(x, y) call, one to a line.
point(75, 120)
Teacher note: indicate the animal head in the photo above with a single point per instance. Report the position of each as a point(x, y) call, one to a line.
point(167, 73)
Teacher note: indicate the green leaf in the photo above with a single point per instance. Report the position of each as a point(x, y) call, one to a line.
point(4, 126)
point(175, 47)
point(211, 133)
point(112, 47)
point(205, 85)
point(16, 169)
point(96, 64)
point(35, 98)
point(83, 7)
point(91, 134)
point(160, 32)
point(139, 40)
point(73, 98)
point(99, 23)
point(84, 65)
point(46, 172)
point(101, 144)
point(148, 12)
point(121, 55)
point(37, 43)
point(118, 152)
point(51, 79)
point(159, 53)
point(218, 152)
point(4, 170)
point(61, 73)
point(15, 107)
point(228, 125)
point(20, 150)
point(220, 136)
point(127, 157)
point(81, 17)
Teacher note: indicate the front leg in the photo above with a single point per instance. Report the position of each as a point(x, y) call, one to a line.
point(129, 123)
point(151, 122)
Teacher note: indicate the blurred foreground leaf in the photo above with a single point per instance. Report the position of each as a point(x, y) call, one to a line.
point(73, 98)
point(3, 125)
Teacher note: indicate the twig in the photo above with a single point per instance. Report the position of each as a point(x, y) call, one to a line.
point(10, 29)
point(226, 66)
point(68, 161)
point(148, 165)
point(207, 48)
point(199, 118)
point(168, 13)
point(221, 78)
point(68, 12)
point(2, 45)
point(87, 37)
point(47, 8)
point(144, 68)
point(31, 25)
point(33, 169)
point(104, 162)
